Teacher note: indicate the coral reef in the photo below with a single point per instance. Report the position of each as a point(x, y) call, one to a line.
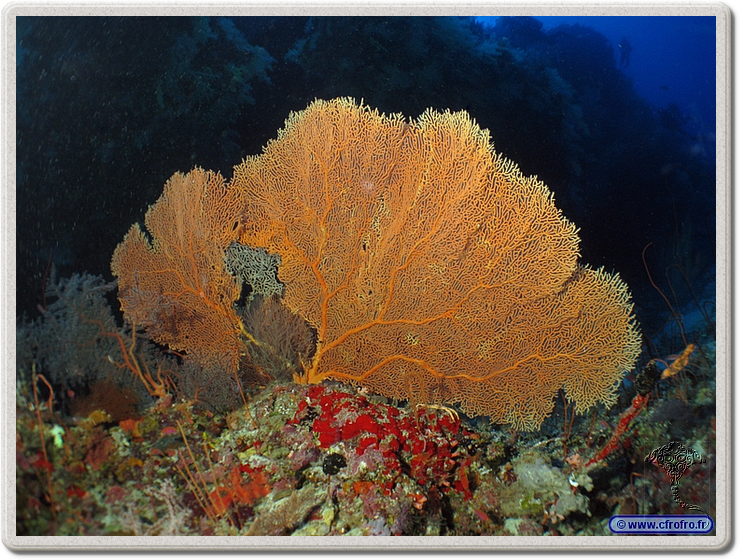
point(334, 460)
point(265, 470)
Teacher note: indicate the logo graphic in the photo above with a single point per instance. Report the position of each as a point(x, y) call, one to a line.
point(675, 459)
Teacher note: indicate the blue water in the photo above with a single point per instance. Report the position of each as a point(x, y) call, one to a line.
point(109, 108)
point(673, 59)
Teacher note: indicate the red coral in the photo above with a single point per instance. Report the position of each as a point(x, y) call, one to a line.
point(363, 424)
point(427, 444)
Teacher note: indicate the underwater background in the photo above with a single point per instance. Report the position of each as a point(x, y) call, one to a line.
point(615, 115)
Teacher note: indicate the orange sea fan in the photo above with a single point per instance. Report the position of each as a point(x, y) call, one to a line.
point(430, 268)
point(173, 281)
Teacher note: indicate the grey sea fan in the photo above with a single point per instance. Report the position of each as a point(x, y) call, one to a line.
point(66, 342)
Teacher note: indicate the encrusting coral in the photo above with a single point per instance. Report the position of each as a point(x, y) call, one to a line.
point(430, 268)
